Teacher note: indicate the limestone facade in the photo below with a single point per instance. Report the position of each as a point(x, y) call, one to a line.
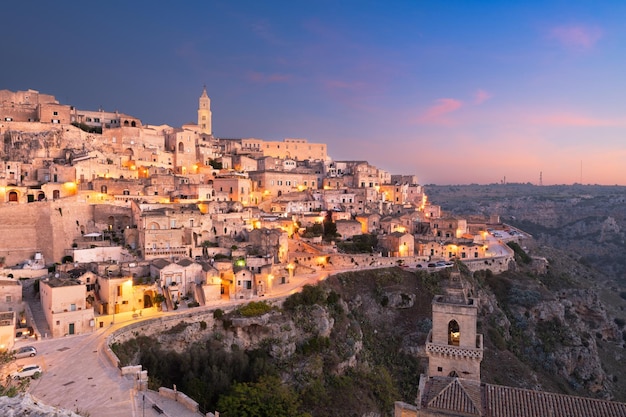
point(64, 304)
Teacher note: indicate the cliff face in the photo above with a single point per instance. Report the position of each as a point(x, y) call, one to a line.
point(580, 230)
point(542, 331)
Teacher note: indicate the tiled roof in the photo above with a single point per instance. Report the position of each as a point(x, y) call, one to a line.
point(516, 402)
point(455, 395)
point(461, 397)
point(185, 262)
point(160, 263)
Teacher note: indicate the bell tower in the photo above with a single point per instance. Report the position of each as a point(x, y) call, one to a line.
point(453, 347)
point(204, 113)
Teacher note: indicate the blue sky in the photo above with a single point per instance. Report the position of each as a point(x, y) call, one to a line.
point(453, 92)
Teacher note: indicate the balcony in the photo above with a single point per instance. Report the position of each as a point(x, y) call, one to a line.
point(436, 349)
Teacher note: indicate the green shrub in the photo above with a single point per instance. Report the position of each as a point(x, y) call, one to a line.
point(519, 252)
point(254, 309)
point(310, 295)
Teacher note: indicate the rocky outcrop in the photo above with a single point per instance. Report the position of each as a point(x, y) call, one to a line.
point(26, 405)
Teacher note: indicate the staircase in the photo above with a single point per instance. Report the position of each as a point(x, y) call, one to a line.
point(39, 323)
point(199, 294)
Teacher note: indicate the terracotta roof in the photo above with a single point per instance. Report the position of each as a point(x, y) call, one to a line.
point(461, 397)
point(516, 402)
point(454, 395)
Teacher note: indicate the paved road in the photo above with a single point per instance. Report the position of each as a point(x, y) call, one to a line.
point(79, 376)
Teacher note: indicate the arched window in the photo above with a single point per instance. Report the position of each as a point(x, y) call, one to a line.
point(103, 189)
point(125, 122)
point(13, 196)
point(154, 226)
point(181, 147)
point(133, 124)
point(454, 333)
point(41, 197)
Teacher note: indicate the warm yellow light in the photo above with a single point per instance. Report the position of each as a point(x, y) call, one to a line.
point(270, 277)
point(321, 260)
point(291, 266)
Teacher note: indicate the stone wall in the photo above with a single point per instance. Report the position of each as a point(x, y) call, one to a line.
point(48, 227)
point(346, 261)
point(496, 264)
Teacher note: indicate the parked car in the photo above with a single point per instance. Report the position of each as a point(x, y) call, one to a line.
point(27, 371)
point(23, 333)
point(432, 265)
point(440, 264)
point(25, 351)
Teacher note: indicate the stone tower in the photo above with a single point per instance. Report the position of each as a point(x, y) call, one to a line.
point(204, 113)
point(453, 347)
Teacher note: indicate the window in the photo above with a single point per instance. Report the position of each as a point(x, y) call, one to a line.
point(72, 307)
point(454, 333)
point(119, 290)
point(56, 113)
point(8, 298)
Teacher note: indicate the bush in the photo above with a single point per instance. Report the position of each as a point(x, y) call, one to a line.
point(310, 295)
point(254, 309)
point(519, 252)
point(218, 314)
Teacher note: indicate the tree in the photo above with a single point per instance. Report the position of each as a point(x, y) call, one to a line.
point(266, 398)
point(330, 228)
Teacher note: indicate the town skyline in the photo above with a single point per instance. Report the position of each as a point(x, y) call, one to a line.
point(453, 93)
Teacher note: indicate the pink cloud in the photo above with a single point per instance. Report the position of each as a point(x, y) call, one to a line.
point(579, 37)
point(436, 112)
point(568, 119)
point(260, 78)
point(481, 96)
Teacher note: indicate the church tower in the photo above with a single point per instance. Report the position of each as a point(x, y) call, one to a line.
point(204, 113)
point(453, 347)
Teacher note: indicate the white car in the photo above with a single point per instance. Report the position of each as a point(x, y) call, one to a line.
point(27, 371)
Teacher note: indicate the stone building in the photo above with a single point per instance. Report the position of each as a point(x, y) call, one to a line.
point(452, 387)
point(397, 244)
point(63, 300)
point(32, 106)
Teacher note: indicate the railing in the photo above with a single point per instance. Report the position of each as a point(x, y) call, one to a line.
point(451, 350)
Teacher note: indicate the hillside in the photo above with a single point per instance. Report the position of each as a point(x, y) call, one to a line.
point(354, 344)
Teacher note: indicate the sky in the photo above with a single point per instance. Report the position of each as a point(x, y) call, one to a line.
point(454, 92)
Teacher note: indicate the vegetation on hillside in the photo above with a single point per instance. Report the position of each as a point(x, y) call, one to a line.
point(362, 366)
